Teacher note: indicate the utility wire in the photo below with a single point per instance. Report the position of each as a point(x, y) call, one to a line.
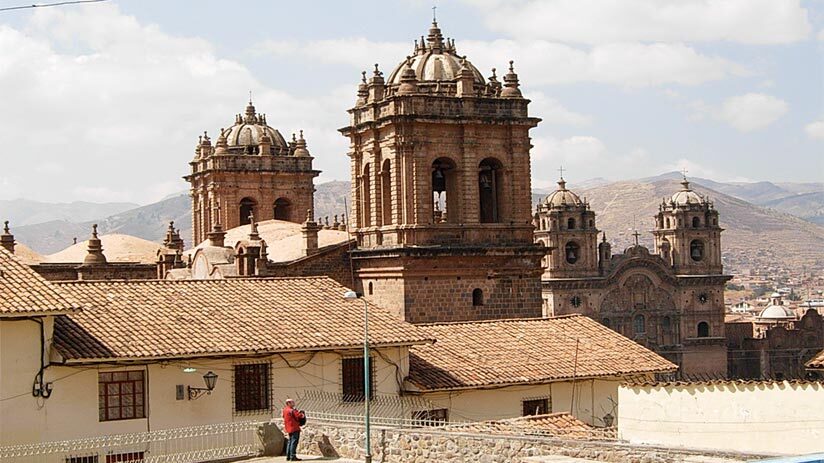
point(44, 5)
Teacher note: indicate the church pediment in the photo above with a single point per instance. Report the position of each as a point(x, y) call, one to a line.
point(639, 257)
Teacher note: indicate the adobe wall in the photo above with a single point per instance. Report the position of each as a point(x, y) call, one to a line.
point(769, 417)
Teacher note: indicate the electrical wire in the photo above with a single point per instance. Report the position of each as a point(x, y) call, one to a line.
point(45, 5)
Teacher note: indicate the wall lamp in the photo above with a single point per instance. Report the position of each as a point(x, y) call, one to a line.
point(210, 379)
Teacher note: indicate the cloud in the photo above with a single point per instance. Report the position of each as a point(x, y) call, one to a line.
point(117, 105)
point(554, 113)
point(748, 112)
point(821, 35)
point(815, 130)
point(752, 111)
point(539, 62)
point(607, 21)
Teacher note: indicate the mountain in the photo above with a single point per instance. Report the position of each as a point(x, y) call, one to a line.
point(148, 222)
point(805, 200)
point(754, 236)
point(25, 212)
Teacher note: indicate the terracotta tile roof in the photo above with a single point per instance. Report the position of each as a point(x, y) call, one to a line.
point(501, 352)
point(157, 319)
point(560, 424)
point(817, 362)
point(23, 291)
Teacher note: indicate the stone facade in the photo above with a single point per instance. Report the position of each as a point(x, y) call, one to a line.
point(774, 350)
point(669, 301)
point(423, 445)
point(251, 170)
point(441, 189)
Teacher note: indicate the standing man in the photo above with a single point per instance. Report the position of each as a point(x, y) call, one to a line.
point(292, 418)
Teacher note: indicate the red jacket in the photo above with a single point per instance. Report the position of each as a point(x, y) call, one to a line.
point(291, 419)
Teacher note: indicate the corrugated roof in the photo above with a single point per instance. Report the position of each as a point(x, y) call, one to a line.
point(23, 291)
point(478, 354)
point(157, 319)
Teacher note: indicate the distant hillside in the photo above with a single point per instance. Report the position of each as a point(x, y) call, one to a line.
point(25, 212)
point(755, 235)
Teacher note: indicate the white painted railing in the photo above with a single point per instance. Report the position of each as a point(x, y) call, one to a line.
point(179, 445)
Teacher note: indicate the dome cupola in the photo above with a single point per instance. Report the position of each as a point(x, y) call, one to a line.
point(249, 135)
point(562, 198)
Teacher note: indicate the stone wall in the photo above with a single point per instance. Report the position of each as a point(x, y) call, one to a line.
point(425, 445)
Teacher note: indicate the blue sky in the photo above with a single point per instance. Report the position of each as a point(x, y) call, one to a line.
point(105, 101)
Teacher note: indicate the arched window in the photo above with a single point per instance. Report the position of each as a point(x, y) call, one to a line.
point(639, 324)
point(386, 193)
point(247, 208)
point(570, 223)
point(370, 288)
point(668, 222)
point(490, 182)
point(591, 223)
point(572, 251)
point(703, 330)
point(366, 197)
point(697, 250)
point(445, 191)
point(283, 209)
point(543, 224)
point(477, 297)
point(696, 222)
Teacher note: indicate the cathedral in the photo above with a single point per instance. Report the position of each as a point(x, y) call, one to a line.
point(670, 300)
point(441, 227)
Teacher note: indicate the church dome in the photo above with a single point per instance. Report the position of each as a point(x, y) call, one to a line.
point(686, 196)
point(435, 60)
point(562, 198)
point(776, 312)
point(249, 129)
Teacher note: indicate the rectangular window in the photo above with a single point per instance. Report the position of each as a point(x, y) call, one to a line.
point(430, 417)
point(352, 379)
point(536, 407)
point(252, 387)
point(127, 457)
point(121, 395)
point(83, 459)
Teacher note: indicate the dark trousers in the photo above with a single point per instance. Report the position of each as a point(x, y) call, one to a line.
point(292, 444)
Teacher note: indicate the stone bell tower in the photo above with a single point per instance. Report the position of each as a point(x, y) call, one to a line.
point(687, 235)
point(441, 190)
point(250, 170)
point(566, 225)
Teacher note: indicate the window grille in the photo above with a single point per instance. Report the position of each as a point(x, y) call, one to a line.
point(251, 384)
point(352, 379)
point(121, 395)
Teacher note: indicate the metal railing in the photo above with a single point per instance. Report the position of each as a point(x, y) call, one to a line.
point(179, 445)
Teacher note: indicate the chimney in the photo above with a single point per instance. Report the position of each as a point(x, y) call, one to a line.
point(309, 230)
point(95, 255)
point(7, 239)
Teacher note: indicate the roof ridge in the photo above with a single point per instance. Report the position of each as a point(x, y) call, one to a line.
point(193, 281)
point(504, 320)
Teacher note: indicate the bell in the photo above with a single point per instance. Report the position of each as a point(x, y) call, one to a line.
point(438, 180)
point(486, 180)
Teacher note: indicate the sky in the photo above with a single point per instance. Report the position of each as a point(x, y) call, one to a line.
point(105, 101)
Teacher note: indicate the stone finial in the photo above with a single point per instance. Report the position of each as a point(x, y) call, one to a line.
point(409, 80)
point(264, 250)
point(511, 83)
point(309, 232)
point(300, 147)
point(173, 240)
point(7, 239)
point(216, 236)
point(336, 223)
point(95, 254)
point(342, 223)
point(326, 219)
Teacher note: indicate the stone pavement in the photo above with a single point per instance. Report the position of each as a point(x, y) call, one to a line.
point(302, 457)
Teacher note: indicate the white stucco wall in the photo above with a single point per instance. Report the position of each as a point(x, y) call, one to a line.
point(72, 410)
point(594, 398)
point(780, 418)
